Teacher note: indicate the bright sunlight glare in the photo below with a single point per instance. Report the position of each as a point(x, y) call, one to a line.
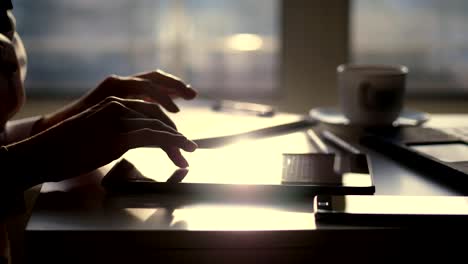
point(244, 42)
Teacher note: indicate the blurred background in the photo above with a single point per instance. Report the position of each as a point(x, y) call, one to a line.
point(280, 52)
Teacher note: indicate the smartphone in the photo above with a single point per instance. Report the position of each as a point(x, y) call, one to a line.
point(391, 210)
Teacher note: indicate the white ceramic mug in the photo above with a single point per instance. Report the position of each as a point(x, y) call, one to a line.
point(371, 95)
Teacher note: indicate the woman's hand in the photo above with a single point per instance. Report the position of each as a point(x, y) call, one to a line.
point(156, 86)
point(94, 138)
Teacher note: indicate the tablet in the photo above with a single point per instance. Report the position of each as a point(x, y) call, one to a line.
point(390, 210)
point(441, 156)
point(240, 171)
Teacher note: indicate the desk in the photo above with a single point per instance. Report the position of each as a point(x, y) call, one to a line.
point(80, 223)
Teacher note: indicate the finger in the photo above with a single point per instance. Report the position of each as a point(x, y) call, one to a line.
point(125, 87)
point(172, 85)
point(147, 137)
point(166, 101)
point(118, 114)
point(148, 110)
point(132, 124)
point(176, 156)
point(177, 176)
point(112, 109)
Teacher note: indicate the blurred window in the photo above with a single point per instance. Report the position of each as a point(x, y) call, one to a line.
point(222, 47)
point(428, 36)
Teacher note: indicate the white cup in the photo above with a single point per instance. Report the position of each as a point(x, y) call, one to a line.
point(371, 95)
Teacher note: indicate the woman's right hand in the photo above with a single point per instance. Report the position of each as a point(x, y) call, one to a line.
point(94, 138)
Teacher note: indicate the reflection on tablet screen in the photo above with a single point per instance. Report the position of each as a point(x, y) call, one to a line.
point(253, 166)
point(222, 166)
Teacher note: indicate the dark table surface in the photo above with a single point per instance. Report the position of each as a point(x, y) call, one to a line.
point(81, 222)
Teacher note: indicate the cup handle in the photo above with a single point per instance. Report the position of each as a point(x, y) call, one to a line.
point(364, 90)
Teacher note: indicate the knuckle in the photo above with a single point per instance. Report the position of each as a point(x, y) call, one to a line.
point(159, 71)
point(173, 77)
point(152, 106)
point(147, 132)
point(114, 77)
point(111, 78)
point(114, 106)
point(112, 99)
point(158, 123)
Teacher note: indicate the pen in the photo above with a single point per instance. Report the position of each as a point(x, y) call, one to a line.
point(215, 142)
point(340, 142)
point(234, 106)
point(318, 143)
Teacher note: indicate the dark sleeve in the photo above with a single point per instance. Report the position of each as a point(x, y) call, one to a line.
point(11, 192)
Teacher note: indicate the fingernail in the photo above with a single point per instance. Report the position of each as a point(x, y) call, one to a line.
point(190, 92)
point(190, 146)
point(183, 163)
point(175, 108)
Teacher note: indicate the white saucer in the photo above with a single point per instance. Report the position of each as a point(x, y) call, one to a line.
point(333, 116)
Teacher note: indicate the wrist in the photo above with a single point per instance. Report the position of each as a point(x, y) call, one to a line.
point(44, 123)
point(39, 126)
point(49, 120)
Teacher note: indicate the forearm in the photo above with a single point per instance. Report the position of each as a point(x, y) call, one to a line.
point(19, 130)
point(51, 119)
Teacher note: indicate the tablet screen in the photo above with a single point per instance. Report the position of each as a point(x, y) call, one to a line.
point(253, 166)
point(452, 152)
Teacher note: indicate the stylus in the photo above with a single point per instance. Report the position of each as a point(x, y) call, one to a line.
point(215, 142)
point(234, 106)
point(339, 142)
point(316, 141)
